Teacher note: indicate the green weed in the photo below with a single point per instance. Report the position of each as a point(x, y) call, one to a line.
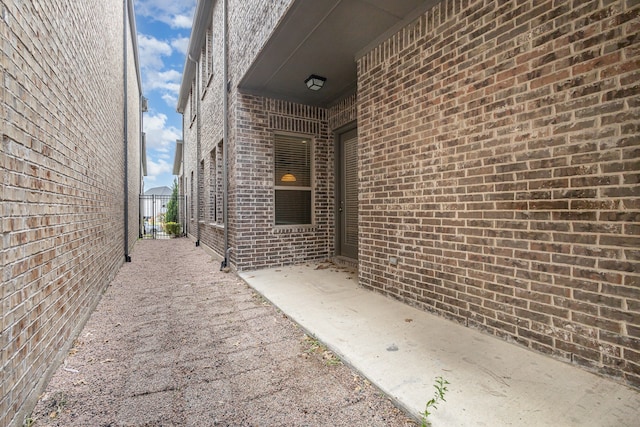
point(316, 347)
point(441, 389)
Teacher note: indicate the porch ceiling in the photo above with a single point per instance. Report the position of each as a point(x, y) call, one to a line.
point(324, 38)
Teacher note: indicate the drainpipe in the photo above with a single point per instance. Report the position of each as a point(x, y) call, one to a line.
point(198, 149)
point(225, 135)
point(127, 257)
point(181, 183)
point(141, 174)
point(182, 188)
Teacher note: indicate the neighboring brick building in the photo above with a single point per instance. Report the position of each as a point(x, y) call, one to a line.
point(69, 139)
point(478, 159)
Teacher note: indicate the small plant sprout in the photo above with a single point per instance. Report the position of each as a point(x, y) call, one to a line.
point(29, 421)
point(315, 346)
point(441, 389)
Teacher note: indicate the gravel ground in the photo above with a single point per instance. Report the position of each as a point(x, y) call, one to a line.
point(175, 342)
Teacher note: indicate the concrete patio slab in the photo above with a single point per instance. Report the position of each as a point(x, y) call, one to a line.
point(402, 350)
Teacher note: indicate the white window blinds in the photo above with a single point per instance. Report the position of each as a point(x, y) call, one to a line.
point(292, 180)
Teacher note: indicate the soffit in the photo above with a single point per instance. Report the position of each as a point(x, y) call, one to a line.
point(323, 38)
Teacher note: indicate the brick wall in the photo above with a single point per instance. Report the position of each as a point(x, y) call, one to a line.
point(258, 18)
point(211, 110)
point(190, 169)
point(499, 155)
point(258, 243)
point(344, 112)
point(62, 163)
point(134, 139)
point(253, 239)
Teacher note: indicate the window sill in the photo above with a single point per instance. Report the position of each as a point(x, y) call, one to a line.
point(216, 225)
point(294, 228)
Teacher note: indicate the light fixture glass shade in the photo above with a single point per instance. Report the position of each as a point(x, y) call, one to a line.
point(315, 82)
point(288, 177)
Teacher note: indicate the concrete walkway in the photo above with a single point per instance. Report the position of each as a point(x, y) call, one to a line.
point(402, 350)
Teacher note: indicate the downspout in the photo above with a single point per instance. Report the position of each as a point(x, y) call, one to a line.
point(185, 211)
point(199, 184)
point(141, 133)
point(198, 149)
point(141, 174)
point(182, 187)
point(225, 135)
point(181, 184)
point(127, 257)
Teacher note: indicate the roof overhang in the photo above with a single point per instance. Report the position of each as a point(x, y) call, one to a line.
point(177, 159)
point(201, 21)
point(313, 37)
point(144, 154)
point(325, 38)
point(134, 41)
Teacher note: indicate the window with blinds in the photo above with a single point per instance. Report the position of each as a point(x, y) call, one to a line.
point(216, 186)
point(201, 202)
point(209, 44)
point(192, 101)
point(292, 180)
point(191, 195)
point(202, 69)
point(213, 190)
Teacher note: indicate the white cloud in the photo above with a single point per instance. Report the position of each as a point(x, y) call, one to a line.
point(151, 51)
point(181, 44)
point(165, 82)
point(182, 21)
point(166, 78)
point(155, 168)
point(170, 100)
point(175, 13)
point(160, 137)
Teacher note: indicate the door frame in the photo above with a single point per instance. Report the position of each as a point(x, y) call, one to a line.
point(338, 184)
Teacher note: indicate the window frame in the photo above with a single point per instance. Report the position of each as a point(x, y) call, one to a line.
point(311, 188)
point(192, 102)
point(216, 190)
point(191, 214)
point(209, 54)
point(202, 202)
point(203, 73)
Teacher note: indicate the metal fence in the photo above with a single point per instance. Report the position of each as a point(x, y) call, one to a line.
point(153, 210)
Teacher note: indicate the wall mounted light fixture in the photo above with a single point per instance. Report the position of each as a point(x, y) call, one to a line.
point(315, 82)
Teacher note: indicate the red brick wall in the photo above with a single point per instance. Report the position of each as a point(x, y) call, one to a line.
point(257, 242)
point(500, 161)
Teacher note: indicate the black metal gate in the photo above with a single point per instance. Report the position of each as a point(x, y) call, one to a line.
point(153, 217)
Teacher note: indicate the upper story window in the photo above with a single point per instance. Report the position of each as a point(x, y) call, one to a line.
point(193, 101)
point(202, 67)
point(209, 47)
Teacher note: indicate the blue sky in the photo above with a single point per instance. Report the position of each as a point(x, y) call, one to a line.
point(163, 27)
